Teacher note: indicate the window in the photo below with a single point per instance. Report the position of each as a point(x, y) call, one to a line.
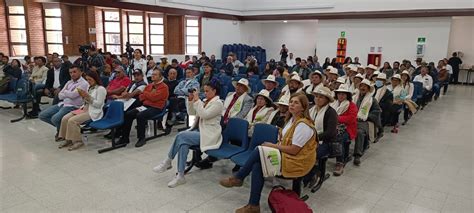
point(136, 31)
point(53, 29)
point(17, 30)
point(112, 32)
point(192, 35)
point(157, 37)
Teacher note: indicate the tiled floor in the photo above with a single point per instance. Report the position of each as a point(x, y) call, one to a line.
point(427, 167)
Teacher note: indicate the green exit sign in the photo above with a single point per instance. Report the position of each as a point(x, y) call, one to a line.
point(343, 34)
point(421, 40)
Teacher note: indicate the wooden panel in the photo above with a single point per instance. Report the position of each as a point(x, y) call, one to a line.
point(174, 34)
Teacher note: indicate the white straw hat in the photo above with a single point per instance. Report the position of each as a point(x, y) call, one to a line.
point(242, 81)
point(324, 91)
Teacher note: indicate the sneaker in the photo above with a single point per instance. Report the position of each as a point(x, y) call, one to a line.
point(231, 182)
point(140, 143)
point(66, 143)
point(248, 209)
point(162, 167)
point(176, 182)
point(339, 169)
point(357, 160)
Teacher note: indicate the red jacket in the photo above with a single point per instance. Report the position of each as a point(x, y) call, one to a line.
point(155, 95)
point(349, 118)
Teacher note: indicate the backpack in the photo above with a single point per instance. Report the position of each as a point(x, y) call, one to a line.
point(282, 200)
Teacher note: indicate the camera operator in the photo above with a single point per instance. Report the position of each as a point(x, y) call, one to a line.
point(95, 61)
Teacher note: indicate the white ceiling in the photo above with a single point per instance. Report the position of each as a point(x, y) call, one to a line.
point(266, 7)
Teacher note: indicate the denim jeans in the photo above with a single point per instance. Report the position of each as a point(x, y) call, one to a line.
point(54, 114)
point(253, 165)
point(346, 141)
point(181, 145)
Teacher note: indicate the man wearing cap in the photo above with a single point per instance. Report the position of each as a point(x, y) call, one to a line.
point(95, 60)
point(237, 104)
point(174, 65)
point(427, 86)
point(164, 63)
point(385, 99)
point(369, 111)
point(271, 85)
point(119, 84)
point(277, 117)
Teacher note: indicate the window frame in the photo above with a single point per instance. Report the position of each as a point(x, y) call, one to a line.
point(198, 19)
point(143, 44)
point(12, 43)
point(150, 33)
point(104, 22)
point(47, 43)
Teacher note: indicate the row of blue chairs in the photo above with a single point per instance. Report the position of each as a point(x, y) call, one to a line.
point(243, 50)
point(20, 93)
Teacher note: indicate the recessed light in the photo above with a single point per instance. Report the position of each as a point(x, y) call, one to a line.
point(285, 21)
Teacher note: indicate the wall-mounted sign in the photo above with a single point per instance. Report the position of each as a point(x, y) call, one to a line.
point(343, 34)
point(421, 40)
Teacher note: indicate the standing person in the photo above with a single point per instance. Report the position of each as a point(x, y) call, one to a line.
point(347, 124)
point(96, 61)
point(297, 147)
point(449, 68)
point(291, 62)
point(71, 100)
point(443, 76)
point(154, 98)
point(205, 132)
point(94, 100)
point(139, 63)
point(455, 61)
point(283, 53)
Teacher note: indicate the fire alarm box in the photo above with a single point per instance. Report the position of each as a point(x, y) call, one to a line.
point(375, 59)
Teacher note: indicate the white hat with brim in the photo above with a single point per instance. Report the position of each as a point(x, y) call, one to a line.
point(343, 88)
point(371, 66)
point(359, 76)
point(244, 82)
point(270, 78)
point(361, 67)
point(329, 67)
point(284, 100)
point(316, 73)
point(334, 71)
point(353, 68)
point(297, 79)
point(324, 91)
point(396, 76)
point(341, 80)
point(381, 76)
point(367, 82)
point(406, 73)
point(264, 93)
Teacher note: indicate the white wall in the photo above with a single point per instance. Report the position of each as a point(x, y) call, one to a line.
point(461, 39)
point(217, 32)
point(397, 37)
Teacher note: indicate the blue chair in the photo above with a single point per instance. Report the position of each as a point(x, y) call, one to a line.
point(243, 70)
point(235, 132)
point(155, 119)
point(114, 117)
point(417, 91)
point(21, 94)
point(281, 82)
point(262, 133)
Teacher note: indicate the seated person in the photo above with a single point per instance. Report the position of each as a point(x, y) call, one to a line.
point(186, 63)
point(325, 121)
point(175, 65)
point(271, 85)
point(294, 85)
point(335, 85)
point(237, 104)
point(11, 72)
point(297, 147)
point(56, 78)
point(316, 82)
point(133, 90)
point(154, 99)
point(205, 77)
point(409, 88)
point(354, 88)
point(119, 84)
point(92, 109)
point(181, 91)
point(385, 99)
point(206, 131)
point(71, 100)
point(39, 73)
point(399, 95)
point(151, 65)
point(228, 67)
point(261, 110)
point(164, 63)
point(303, 70)
point(427, 81)
point(277, 118)
point(369, 110)
point(347, 116)
point(172, 82)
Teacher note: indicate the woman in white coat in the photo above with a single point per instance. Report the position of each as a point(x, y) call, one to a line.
point(94, 101)
point(205, 132)
point(262, 108)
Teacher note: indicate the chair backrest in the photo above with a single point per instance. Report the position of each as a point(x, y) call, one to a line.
point(263, 133)
point(418, 89)
point(236, 131)
point(115, 111)
point(23, 90)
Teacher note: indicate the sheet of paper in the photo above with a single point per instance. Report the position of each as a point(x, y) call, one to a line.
point(127, 103)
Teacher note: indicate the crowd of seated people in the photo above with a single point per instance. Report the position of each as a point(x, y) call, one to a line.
point(319, 110)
